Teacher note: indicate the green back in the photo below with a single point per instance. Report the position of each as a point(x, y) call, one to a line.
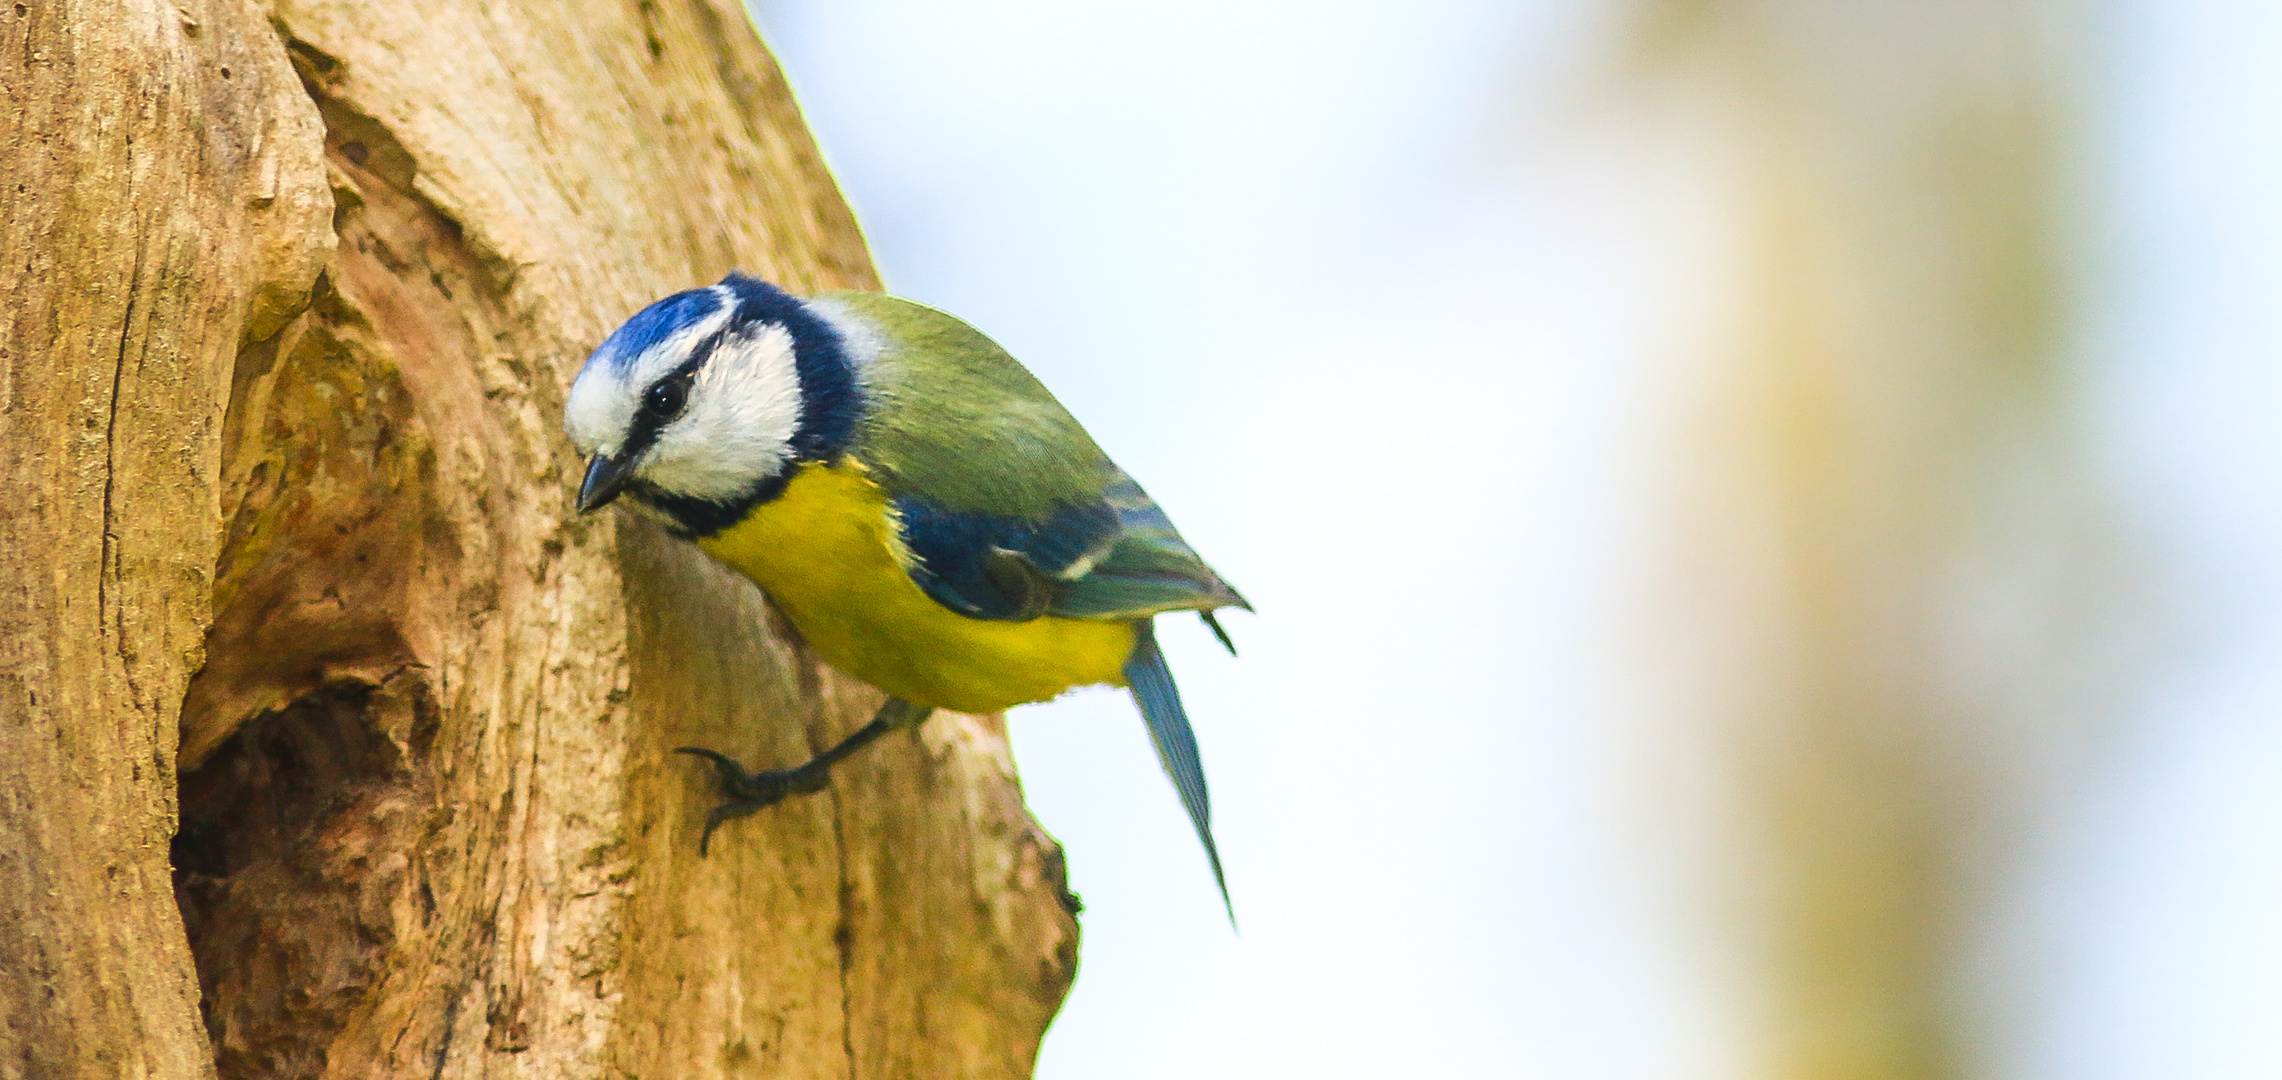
point(945, 397)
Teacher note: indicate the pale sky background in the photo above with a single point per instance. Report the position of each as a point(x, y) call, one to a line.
point(1388, 306)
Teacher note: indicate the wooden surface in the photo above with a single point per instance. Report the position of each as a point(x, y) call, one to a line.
point(431, 822)
point(163, 199)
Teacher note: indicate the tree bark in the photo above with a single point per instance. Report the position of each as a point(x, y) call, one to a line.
point(294, 298)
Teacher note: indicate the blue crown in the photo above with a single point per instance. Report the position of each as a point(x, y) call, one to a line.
point(656, 323)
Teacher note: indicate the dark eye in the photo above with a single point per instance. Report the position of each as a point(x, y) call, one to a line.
point(665, 398)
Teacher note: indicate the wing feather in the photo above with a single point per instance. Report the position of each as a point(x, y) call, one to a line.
point(1116, 559)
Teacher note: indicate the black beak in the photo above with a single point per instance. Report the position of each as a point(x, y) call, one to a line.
point(606, 476)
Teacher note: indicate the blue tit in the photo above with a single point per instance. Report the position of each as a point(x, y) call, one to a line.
point(910, 496)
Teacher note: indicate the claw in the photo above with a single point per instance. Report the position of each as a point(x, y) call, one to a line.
point(713, 821)
point(743, 792)
point(732, 771)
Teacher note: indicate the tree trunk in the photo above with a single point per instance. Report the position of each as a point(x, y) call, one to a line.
point(294, 295)
point(1892, 563)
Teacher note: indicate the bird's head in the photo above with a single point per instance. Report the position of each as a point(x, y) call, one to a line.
point(704, 402)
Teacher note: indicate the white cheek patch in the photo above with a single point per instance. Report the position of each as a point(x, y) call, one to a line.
point(738, 426)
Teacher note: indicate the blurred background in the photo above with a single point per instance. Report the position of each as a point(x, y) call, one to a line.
point(1766, 515)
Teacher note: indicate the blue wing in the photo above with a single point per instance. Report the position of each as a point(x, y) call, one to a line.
point(1116, 559)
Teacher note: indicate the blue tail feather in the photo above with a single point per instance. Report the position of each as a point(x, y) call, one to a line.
point(1160, 703)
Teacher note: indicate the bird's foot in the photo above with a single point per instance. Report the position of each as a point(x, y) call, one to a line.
point(745, 792)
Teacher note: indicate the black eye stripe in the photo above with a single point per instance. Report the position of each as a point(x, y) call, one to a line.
point(666, 398)
point(676, 383)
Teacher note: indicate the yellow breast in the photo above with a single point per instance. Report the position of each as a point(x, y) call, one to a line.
point(827, 553)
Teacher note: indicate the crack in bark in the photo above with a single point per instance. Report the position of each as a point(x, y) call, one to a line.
point(443, 1053)
point(110, 546)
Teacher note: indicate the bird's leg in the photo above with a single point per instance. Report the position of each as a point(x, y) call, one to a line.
point(743, 792)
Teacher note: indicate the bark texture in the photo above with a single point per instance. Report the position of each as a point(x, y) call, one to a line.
point(164, 202)
point(286, 384)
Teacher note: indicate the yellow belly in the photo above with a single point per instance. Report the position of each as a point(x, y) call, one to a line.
point(826, 555)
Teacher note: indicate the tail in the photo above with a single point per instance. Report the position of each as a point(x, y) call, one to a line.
point(1160, 703)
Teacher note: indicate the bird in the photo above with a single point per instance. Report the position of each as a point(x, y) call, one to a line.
point(910, 496)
